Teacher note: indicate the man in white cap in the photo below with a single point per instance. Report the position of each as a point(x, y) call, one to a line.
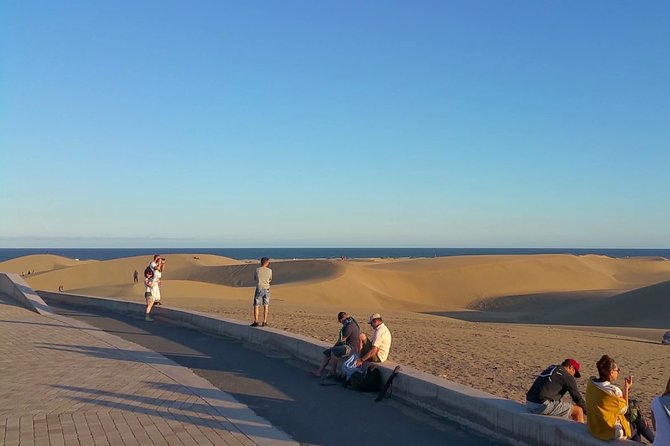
point(375, 349)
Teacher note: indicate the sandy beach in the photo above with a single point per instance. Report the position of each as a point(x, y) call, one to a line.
point(491, 322)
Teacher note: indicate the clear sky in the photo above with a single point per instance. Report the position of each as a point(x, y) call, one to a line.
point(302, 123)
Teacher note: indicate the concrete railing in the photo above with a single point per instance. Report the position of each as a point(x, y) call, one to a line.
point(491, 415)
point(15, 287)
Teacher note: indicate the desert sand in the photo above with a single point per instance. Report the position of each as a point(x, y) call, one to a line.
point(490, 322)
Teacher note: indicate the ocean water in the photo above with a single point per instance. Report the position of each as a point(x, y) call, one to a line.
point(317, 253)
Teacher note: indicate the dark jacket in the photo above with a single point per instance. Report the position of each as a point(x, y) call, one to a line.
point(552, 384)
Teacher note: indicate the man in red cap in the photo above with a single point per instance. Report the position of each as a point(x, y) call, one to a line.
point(544, 396)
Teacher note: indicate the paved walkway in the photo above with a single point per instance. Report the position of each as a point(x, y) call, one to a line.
point(280, 389)
point(118, 393)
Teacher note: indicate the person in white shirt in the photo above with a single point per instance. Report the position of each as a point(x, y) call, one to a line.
point(375, 349)
point(660, 417)
point(157, 265)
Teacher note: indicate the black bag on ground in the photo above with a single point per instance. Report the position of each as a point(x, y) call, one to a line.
point(370, 381)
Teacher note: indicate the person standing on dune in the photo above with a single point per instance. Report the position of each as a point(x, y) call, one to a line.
point(263, 277)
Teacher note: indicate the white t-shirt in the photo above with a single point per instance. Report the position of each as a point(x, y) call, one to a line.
point(662, 422)
point(382, 340)
point(155, 288)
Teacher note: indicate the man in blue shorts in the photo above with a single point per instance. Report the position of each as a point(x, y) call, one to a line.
point(544, 396)
point(263, 277)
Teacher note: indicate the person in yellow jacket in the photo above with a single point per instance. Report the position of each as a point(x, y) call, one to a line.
point(607, 404)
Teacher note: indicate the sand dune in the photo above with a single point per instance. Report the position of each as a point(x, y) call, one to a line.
point(40, 263)
point(429, 305)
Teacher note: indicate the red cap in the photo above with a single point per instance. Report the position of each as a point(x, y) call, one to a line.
point(574, 364)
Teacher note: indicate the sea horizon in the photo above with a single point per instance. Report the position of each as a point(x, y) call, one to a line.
point(327, 253)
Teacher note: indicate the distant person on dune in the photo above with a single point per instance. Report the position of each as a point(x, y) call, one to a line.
point(262, 277)
point(544, 396)
point(136, 276)
point(347, 343)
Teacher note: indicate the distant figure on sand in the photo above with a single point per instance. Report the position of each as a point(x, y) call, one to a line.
point(263, 277)
point(610, 414)
point(660, 416)
point(376, 349)
point(348, 341)
point(135, 276)
point(544, 396)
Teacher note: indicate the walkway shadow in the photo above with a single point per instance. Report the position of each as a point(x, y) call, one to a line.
point(183, 410)
point(68, 327)
point(147, 357)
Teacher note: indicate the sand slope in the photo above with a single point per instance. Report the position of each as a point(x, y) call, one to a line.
point(40, 263)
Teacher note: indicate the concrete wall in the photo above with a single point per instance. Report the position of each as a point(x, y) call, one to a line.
point(15, 287)
point(497, 417)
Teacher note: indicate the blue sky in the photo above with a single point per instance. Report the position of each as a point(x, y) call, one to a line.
point(241, 123)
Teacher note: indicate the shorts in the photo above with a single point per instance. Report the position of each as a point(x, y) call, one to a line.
point(147, 295)
point(553, 408)
point(261, 295)
point(338, 351)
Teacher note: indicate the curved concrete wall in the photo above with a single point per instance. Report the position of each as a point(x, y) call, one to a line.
point(15, 287)
point(498, 417)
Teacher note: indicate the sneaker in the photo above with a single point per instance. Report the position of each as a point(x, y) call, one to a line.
point(255, 324)
point(158, 302)
point(265, 324)
point(148, 319)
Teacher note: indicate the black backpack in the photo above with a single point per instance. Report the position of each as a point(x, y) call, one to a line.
point(370, 381)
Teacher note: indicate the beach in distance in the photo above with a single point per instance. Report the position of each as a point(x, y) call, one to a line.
point(488, 321)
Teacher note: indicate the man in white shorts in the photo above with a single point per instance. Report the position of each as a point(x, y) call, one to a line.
point(544, 396)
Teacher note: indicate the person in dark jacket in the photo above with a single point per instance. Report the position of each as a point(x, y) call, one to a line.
point(544, 396)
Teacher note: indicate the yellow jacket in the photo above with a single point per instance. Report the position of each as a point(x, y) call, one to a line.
point(602, 411)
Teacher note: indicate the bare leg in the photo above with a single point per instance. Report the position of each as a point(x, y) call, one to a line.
point(266, 310)
point(256, 313)
point(577, 414)
point(319, 371)
point(150, 304)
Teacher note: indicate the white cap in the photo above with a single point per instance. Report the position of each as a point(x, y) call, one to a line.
point(373, 317)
